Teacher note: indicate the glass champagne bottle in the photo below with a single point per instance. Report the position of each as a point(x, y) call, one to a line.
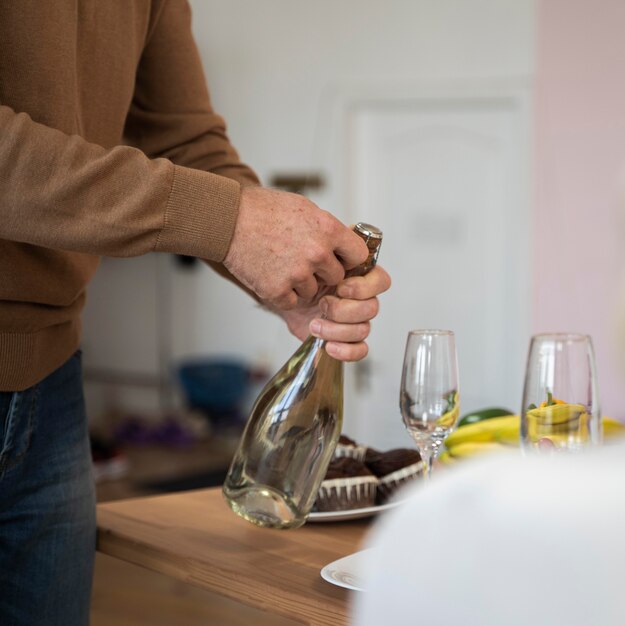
point(292, 430)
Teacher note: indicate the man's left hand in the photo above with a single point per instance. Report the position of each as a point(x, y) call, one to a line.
point(343, 319)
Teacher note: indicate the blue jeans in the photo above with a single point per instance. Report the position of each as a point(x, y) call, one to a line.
point(47, 503)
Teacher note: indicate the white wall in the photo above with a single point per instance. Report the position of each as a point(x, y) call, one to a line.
point(276, 70)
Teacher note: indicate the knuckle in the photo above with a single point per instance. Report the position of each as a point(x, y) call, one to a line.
point(278, 291)
point(355, 352)
point(374, 307)
point(382, 280)
point(318, 255)
point(300, 275)
point(387, 282)
point(363, 331)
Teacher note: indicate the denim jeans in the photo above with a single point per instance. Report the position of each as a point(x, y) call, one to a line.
point(47, 503)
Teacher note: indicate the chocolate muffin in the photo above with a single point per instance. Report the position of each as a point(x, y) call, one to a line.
point(348, 484)
point(346, 467)
point(347, 447)
point(393, 469)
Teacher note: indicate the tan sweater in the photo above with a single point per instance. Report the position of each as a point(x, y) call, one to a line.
point(107, 138)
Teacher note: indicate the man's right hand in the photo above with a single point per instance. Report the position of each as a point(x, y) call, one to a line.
point(285, 247)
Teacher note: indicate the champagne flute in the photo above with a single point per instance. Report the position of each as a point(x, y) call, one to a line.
point(560, 409)
point(429, 398)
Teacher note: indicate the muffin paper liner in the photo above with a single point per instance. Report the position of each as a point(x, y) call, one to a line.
point(353, 452)
point(342, 494)
point(388, 484)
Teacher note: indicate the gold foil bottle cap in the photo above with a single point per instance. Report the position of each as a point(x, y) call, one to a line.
point(372, 236)
point(367, 231)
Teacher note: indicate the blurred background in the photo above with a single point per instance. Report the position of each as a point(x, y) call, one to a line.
point(486, 138)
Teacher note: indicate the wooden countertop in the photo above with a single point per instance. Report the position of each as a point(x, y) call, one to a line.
point(195, 537)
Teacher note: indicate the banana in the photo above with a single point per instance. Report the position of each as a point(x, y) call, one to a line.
point(495, 429)
point(612, 429)
point(555, 414)
point(510, 434)
point(445, 458)
point(475, 448)
point(501, 432)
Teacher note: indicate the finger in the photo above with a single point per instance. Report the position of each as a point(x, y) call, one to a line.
point(330, 271)
point(351, 249)
point(306, 288)
point(347, 311)
point(377, 281)
point(332, 331)
point(347, 351)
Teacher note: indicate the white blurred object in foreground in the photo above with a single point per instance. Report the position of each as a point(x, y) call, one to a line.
point(506, 541)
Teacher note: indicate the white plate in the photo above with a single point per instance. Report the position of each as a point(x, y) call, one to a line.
point(347, 572)
point(340, 516)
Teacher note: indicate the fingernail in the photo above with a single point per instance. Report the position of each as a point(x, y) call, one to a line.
point(345, 291)
point(323, 306)
point(315, 327)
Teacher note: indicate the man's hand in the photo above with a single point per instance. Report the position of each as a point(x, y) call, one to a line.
point(285, 248)
point(347, 315)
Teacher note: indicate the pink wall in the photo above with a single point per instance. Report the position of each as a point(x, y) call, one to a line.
point(579, 221)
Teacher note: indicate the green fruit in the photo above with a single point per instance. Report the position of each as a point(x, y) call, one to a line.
point(484, 414)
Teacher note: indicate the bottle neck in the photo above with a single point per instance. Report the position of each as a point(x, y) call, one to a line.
point(317, 346)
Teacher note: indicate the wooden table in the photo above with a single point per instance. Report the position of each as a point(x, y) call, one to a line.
point(193, 536)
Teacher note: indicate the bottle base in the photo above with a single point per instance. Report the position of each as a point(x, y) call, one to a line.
point(263, 506)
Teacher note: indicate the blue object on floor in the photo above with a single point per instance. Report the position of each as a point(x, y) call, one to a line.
point(216, 386)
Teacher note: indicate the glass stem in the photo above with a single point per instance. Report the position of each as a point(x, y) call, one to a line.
point(427, 456)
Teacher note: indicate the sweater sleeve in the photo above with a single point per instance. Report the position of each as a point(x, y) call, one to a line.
point(176, 189)
point(60, 191)
point(171, 113)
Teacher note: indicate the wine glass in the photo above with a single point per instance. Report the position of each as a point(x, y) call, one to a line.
point(560, 409)
point(428, 397)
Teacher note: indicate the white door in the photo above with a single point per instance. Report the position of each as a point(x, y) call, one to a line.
point(445, 179)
